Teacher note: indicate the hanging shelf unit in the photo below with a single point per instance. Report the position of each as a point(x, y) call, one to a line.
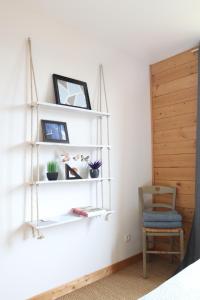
point(36, 223)
point(69, 181)
point(70, 146)
point(64, 219)
point(52, 106)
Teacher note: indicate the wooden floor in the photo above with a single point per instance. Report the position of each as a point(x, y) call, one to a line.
point(127, 284)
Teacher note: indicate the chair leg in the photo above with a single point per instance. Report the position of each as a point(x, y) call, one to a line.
point(147, 247)
point(181, 245)
point(144, 240)
point(172, 248)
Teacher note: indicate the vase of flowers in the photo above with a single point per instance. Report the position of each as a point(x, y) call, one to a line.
point(52, 170)
point(94, 168)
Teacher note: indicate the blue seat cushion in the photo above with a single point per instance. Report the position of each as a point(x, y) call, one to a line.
point(162, 216)
point(163, 224)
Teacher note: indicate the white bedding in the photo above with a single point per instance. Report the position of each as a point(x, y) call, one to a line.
point(183, 286)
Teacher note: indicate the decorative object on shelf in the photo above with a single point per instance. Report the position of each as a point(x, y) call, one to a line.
point(88, 211)
point(78, 162)
point(94, 171)
point(54, 131)
point(81, 157)
point(52, 170)
point(65, 157)
point(72, 173)
point(62, 219)
point(71, 92)
point(86, 158)
point(76, 157)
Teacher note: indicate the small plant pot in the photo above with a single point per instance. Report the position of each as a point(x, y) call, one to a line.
point(94, 173)
point(52, 176)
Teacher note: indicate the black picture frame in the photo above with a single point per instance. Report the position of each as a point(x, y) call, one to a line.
point(71, 173)
point(60, 134)
point(75, 98)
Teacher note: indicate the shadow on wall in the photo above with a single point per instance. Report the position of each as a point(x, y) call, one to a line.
point(130, 221)
point(14, 112)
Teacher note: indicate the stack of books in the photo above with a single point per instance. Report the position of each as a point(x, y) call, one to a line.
point(88, 211)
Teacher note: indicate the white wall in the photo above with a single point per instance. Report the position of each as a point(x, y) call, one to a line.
point(29, 266)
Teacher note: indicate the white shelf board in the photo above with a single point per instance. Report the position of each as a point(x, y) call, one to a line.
point(70, 180)
point(63, 219)
point(49, 106)
point(70, 145)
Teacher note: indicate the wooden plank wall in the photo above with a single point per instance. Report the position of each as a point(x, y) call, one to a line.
point(174, 106)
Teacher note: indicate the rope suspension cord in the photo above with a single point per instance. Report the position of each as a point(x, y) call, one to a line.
point(97, 135)
point(101, 132)
point(31, 87)
point(31, 91)
point(108, 133)
point(34, 86)
point(32, 72)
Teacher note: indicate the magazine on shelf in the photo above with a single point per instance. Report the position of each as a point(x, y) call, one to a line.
point(88, 211)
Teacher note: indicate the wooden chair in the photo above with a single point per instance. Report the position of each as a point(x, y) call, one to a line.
point(151, 230)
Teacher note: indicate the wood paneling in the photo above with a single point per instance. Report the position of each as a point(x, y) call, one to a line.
point(177, 97)
point(175, 85)
point(187, 120)
point(187, 213)
point(184, 201)
point(174, 107)
point(175, 73)
point(174, 161)
point(174, 61)
point(182, 186)
point(175, 173)
point(175, 148)
point(69, 287)
point(175, 135)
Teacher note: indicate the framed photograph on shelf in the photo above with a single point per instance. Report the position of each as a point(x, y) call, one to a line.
point(54, 131)
point(71, 92)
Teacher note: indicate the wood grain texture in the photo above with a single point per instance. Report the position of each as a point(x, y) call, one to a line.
point(174, 73)
point(174, 110)
point(175, 122)
point(175, 85)
point(182, 186)
point(185, 94)
point(187, 213)
point(175, 135)
point(67, 288)
point(174, 61)
point(175, 160)
point(184, 201)
point(175, 173)
point(188, 147)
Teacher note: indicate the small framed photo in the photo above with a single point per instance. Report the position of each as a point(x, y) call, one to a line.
point(54, 131)
point(71, 92)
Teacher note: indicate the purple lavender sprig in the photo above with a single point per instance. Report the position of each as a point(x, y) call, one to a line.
point(95, 165)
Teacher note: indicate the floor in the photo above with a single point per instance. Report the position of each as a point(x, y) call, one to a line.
point(127, 284)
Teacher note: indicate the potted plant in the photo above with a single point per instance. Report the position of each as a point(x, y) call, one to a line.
point(52, 170)
point(94, 171)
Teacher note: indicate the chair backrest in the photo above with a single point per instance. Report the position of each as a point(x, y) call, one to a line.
point(157, 190)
